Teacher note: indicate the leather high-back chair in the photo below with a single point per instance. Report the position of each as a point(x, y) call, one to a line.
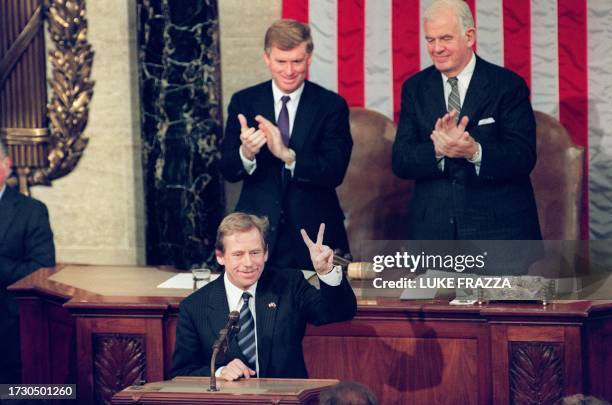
point(374, 200)
point(557, 180)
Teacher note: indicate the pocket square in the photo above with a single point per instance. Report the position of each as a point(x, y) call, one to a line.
point(486, 121)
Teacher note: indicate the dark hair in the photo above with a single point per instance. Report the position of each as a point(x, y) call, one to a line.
point(287, 34)
point(240, 222)
point(347, 393)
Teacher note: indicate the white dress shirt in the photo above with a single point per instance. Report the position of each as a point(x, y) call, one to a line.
point(235, 301)
point(463, 82)
point(292, 106)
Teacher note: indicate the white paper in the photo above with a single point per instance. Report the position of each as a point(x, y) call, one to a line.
point(185, 281)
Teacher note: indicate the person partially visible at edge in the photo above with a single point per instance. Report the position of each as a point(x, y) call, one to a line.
point(347, 393)
point(26, 244)
point(274, 306)
point(289, 141)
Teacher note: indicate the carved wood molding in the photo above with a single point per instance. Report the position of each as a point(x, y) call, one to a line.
point(119, 361)
point(536, 373)
point(71, 88)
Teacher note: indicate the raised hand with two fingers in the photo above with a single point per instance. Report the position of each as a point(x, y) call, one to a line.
point(322, 256)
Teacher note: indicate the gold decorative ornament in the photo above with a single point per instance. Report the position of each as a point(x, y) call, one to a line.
point(71, 88)
point(45, 143)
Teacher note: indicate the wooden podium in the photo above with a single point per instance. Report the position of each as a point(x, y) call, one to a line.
point(193, 390)
point(105, 328)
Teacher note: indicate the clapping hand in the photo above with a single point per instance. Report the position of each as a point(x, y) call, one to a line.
point(451, 139)
point(251, 140)
point(322, 256)
point(274, 139)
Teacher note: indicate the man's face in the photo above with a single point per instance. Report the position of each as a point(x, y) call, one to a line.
point(244, 257)
point(5, 168)
point(450, 50)
point(288, 68)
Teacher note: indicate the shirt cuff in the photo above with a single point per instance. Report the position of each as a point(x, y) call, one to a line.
point(333, 278)
point(290, 167)
point(440, 163)
point(218, 371)
point(477, 159)
point(249, 165)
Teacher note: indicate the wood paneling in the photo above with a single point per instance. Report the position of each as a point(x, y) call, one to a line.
point(405, 351)
point(599, 355)
point(141, 338)
point(418, 370)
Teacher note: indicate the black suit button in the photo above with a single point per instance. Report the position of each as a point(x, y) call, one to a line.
point(452, 220)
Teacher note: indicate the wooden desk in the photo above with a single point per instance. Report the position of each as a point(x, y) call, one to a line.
point(193, 390)
point(115, 328)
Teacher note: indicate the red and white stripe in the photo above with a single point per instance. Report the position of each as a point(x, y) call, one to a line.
point(365, 49)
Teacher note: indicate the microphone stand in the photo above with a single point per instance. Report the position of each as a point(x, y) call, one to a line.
point(221, 345)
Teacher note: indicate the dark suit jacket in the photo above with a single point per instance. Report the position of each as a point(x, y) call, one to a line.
point(26, 240)
point(499, 202)
point(322, 142)
point(26, 244)
point(280, 329)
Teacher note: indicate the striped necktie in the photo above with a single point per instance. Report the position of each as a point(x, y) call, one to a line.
point(454, 102)
point(246, 336)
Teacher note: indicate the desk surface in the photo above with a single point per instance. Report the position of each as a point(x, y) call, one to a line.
point(277, 386)
point(130, 286)
point(194, 390)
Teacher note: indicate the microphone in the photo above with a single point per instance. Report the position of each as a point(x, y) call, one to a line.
point(220, 346)
point(228, 330)
point(233, 326)
point(232, 320)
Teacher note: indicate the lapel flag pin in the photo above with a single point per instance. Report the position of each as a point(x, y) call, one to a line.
point(272, 305)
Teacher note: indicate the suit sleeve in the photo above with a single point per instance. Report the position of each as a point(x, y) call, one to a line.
point(230, 164)
point(327, 305)
point(188, 358)
point(38, 248)
point(513, 153)
point(326, 164)
point(413, 154)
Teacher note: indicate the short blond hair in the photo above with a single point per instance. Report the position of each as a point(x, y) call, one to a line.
point(238, 222)
point(288, 34)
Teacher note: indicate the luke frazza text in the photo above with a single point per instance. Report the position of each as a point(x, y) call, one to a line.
point(444, 282)
point(404, 260)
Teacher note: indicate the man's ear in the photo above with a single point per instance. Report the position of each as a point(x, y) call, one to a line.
point(471, 36)
point(219, 256)
point(266, 57)
point(266, 254)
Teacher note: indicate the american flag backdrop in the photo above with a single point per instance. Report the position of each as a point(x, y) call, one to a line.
point(365, 49)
